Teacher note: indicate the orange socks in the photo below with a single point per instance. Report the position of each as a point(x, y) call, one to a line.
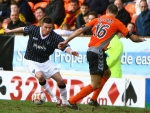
point(83, 93)
point(96, 92)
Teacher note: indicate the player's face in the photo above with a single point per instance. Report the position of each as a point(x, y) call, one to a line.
point(46, 28)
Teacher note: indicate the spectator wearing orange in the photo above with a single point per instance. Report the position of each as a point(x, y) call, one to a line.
point(56, 11)
point(15, 21)
point(71, 16)
point(79, 19)
point(123, 15)
point(1, 27)
point(98, 6)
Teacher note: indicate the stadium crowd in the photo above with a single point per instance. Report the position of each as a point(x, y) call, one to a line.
point(75, 15)
point(69, 15)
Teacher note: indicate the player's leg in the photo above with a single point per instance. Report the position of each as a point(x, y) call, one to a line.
point(93, 100)
point(42, 81)
point(95, 81)
point(34, 69)
point(96, 67)
point(105, 77)
point(62, 87)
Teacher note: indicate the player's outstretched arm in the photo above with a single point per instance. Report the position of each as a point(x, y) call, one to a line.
point(16, 30)
point(77, 32)
point(136, 38)
point(70, 51)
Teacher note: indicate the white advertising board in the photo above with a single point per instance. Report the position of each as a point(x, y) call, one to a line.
point(21, 86)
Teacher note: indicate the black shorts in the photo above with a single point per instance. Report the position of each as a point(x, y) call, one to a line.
point(97, 62)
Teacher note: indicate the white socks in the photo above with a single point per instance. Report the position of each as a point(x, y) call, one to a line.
point(49, 91)
point(63, 93)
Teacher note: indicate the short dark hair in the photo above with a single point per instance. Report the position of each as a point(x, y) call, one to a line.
point(93, 13)
point(74, 1)
point(112, 9)
point(47, 20)
point(85, 4)
point(15, 3)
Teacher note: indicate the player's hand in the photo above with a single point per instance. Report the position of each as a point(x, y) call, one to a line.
point(142, 39)
point(74, 53)
point(61, 45)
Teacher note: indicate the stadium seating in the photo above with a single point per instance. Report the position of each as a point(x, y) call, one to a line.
point(67, 5)
point(31, 5)
point(45, 1)
point(40, 4)
point(130, 8)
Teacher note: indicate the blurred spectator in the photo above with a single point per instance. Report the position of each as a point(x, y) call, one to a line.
point(5, 8)
point(39, 15)
point(131, 27)
point(123, 15)
point(65, 30)
point(1, 27)
point(15, 22)
point(98, 6)
point(143, 20)
point(15, 7)
point(86, 18)
point(137, 6)
point(25, 9)
point(79, 19)
point(71, 15)
point(92, 15)
point(55, 9)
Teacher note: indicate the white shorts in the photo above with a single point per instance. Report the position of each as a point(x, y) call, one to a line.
point(48, 68)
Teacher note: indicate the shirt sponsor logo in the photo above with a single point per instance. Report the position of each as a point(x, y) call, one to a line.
point(35, 38)
point(39, 47)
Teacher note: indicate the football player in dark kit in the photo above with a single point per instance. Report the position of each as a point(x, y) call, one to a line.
point(41, 44)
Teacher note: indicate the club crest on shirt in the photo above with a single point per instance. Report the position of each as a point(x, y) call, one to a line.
point(35, 38)
point(48, 43)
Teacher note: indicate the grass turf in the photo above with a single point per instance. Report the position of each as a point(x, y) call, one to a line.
point(8, 106)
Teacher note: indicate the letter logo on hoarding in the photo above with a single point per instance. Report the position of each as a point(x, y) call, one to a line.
point(2, 88)
point(129, 94)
